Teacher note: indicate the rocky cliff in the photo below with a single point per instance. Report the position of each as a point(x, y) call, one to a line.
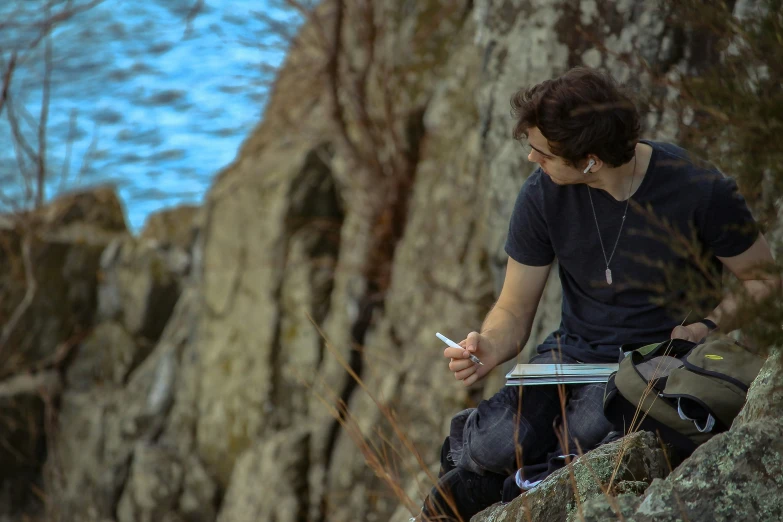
point(275, 358)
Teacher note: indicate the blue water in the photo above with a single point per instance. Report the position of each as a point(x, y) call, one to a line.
point(148, 101)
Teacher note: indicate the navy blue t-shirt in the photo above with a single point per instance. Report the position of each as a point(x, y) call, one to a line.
point(676, 198)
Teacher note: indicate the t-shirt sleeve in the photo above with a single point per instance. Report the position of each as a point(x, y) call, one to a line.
point(528, 240)
point(729, 228)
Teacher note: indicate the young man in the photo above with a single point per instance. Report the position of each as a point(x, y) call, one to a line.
point(610, 208)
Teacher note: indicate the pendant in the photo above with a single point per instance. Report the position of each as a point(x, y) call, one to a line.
point(609, 276)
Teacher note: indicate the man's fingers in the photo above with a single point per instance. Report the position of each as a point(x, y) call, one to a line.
point(464, 369)
point(471, 379)
point(454, 353)
point(457, 365)
point(680, 332)
point(472, 342)
point(467, 372)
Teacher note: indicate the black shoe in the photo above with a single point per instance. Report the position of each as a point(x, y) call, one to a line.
point(460, 494)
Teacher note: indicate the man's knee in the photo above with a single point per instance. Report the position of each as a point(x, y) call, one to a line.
point(587, 436)
point(491, 443)
point(587, 425)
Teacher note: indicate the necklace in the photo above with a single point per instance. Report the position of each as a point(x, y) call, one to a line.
point(622, 222)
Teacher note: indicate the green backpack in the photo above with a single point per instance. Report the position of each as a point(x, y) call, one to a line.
point(688, 392)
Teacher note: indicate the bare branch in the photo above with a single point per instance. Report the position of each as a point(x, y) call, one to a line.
point(22, 151)
point(88, 155)
point(7, 77)
point(17, 133)
point(48, 383)
point(47, 25)
point(68, 148)
point(27, 300)
point(42, 122)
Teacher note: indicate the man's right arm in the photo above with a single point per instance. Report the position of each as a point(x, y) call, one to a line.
point(506, 327)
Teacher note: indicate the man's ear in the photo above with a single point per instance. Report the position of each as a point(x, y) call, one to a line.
point(593, 164)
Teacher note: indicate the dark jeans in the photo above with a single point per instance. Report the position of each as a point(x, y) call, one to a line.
point(520, 424)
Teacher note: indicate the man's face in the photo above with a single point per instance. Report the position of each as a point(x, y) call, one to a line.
point(553, 166)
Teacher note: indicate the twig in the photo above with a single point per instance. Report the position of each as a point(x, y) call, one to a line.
point(343, 416)
point(16, 130)
point(68, 149)
point(47, 25)
point(27, 300)
point(88, 155)
point(29, 384)
point(7, 77)
point(47, 83)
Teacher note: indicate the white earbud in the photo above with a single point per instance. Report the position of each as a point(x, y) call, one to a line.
point(589, 165)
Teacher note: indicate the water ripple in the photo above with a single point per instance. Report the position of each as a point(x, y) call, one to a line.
point(132, 87)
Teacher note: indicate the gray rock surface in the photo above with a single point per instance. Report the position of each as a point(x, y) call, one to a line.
point(224, 402)
point(630, 463)
point(101, 428)
point(733, 476)
point(108, 354)
point(269, 481)
point(48, 280)
point(153, 486)
point(140, 283)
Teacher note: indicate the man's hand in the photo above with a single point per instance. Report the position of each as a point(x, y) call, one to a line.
point(466, 370)
point(693, 332)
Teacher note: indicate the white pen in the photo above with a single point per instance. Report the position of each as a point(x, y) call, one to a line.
point(455, 345)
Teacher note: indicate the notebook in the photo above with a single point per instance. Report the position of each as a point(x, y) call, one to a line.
point(531, 374)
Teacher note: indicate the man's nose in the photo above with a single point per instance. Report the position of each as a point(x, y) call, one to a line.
point(532, 156)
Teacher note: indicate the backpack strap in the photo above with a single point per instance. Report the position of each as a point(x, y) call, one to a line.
point(620, 412)
point(634, 394)
point(673, 347)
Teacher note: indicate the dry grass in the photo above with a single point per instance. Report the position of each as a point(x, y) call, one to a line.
point(376, 457)
point(382, 457)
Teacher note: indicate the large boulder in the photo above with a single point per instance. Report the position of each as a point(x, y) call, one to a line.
point(92, 462)
point(176, 226)
point(140, 284)
point(49, 262)
point(120, 385)
point(629, 464)
point(735, 476)
point(49, 274)
point(97, 207)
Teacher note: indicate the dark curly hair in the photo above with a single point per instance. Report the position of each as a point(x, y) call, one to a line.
point(582, 112)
